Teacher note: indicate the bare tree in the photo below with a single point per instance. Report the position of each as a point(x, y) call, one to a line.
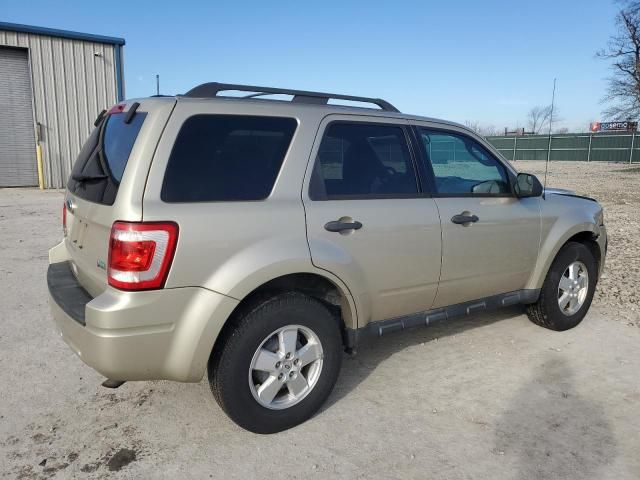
point(473, 125)
point(490, 131)
point(538, 118)
point(485, 131)
point(623, 91)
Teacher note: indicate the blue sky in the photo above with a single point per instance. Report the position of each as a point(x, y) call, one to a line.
point(485, 61)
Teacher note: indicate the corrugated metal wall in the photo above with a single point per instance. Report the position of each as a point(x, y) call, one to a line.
point(597, 147)
point(71, 86)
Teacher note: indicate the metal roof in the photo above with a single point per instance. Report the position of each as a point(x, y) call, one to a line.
point(54, 32)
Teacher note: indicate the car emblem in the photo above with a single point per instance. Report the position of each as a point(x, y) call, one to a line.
point(101, 264)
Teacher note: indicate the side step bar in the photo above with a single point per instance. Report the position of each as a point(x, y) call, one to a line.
point(383, 327)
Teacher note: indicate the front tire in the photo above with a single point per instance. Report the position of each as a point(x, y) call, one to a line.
point(277, 363)
point(568, 289)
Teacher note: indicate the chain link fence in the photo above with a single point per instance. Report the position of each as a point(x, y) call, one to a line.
point(597, 147)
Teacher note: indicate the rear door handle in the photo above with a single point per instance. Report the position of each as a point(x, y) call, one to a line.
point(338, 226)
point(464, 219)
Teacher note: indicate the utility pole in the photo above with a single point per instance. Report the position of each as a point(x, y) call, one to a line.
point(157, 84)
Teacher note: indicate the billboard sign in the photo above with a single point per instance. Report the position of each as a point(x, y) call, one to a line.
point(614, 126)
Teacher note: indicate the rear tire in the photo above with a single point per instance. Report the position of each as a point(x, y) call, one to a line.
point(256, 359)
point(568, 289)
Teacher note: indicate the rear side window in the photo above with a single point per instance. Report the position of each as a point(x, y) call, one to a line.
point(226, 158)
point(358, 160)
point(98, 170)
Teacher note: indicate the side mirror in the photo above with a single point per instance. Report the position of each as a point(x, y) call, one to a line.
point(527, 185)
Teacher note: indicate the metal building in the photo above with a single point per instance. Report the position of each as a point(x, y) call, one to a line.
point(53, 84)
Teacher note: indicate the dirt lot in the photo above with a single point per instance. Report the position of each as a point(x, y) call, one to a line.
point(490, 397)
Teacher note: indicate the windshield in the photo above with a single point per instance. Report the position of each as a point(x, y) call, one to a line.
point(98, 170)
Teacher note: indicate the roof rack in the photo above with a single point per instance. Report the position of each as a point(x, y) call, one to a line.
point(212, 89)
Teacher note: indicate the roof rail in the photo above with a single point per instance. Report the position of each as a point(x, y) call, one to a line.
point(212, 89)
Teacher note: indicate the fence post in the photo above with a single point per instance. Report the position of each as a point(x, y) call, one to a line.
point(589, 152)
point(633, 137)
point(515, 147)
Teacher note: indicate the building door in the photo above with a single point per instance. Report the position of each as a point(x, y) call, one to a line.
point(18, 166)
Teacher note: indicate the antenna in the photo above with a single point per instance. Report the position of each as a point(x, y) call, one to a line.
point(546, 166)
point(157, 84)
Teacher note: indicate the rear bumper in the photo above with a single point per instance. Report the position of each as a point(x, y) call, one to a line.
point(158, 334)
point(66, 292)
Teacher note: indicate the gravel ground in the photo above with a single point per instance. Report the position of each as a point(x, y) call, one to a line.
point(489, 397)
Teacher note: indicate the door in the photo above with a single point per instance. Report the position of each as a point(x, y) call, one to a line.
point(367, 220)
point(18, 167)
point(490, 238)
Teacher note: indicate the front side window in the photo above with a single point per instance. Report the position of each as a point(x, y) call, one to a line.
point(461, 166)
point(226, 158)
point(359, 160)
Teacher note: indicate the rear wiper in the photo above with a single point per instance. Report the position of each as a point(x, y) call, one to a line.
point(78, 177)
point(99, 118)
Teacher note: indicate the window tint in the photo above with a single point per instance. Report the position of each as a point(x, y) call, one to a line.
point(226, 158)
point(363, 160)
point(119, 138)
point(100, 165)
point(462, 166)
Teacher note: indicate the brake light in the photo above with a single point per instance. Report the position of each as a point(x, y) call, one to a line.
point(64, 219)
point(140, 254)
point(117, 108)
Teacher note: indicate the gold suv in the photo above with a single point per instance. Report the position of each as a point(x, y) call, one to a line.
point(258, 237)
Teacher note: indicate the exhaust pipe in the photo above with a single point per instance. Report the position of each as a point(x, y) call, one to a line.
point(110, 383)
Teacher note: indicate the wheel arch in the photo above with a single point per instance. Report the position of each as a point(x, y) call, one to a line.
point(589, 240)
point(585, 234)
point(321, 286)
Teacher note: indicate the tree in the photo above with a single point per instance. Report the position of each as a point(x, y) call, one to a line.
point(623, 50)
point(490, 131)
point(538, 118)
point(472, 125)
point(485, 131)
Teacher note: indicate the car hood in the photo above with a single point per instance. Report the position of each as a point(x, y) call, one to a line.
point(559, 191)
point(566, 193)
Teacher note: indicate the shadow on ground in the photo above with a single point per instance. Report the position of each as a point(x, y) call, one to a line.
point(548, 430)
point(551, 431)
point(356, 369)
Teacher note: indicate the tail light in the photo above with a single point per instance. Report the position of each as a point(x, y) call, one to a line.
point(64, 219)
point(140, 254)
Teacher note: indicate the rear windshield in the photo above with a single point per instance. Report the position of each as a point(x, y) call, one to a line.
point(226, 158)
point(98, 170)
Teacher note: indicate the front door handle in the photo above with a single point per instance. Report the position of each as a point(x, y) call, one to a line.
point(339, 226)
point(464, 218)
